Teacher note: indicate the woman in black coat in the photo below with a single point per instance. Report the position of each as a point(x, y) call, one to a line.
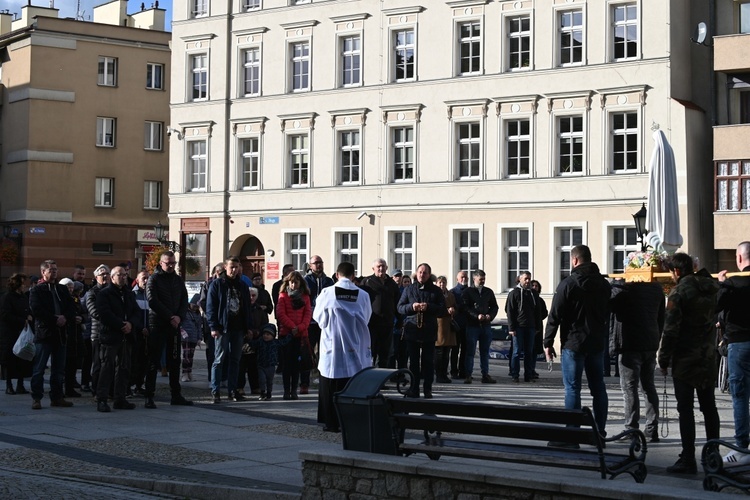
point(14, 313)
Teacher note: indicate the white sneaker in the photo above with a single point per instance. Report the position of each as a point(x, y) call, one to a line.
point(735, 458)
point(185, 377)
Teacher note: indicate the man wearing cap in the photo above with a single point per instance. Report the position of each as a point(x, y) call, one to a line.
point(101, 278)
point(384, 296)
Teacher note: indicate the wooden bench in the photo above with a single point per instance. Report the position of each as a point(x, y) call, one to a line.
point(718, 474)
point(506, 428)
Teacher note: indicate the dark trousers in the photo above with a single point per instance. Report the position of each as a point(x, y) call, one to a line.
point(326, 408)
point(442, 359)
point(72, 360)
point(157, 340)
point(115, 361)
point(290, 373)
point(96, 365)
point(210, 354)
point(458, 355)
point(265, 376)
point(422, 362)
point(249, 372)
point(381, 342)
point(313, 335)
point(86, 363)
point(400, 357)
point(684, 394)
point(138, 361)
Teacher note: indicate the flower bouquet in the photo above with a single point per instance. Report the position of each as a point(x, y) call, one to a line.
point(647, 260)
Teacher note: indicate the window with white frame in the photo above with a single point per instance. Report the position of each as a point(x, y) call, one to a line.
point(467, 249)
point(199, 68)
point(104, 192)
point(732, 185)
point(517, 248)
point(469, 149)
point(518, 147)
point(299, 2)
point(107, 71)
point(152, 136)
point(152, 195)
point(105, 132)
point(570, 144)
point(196, 171)
point(199, 8)
point(250, 163)
point(624, 141)
point(248, 5)
point(154, 76)
point(300, 66)
point(570, 31)
point(299, 159)
point(296, 250)
point(567, 238)
point(351, 60)
point(251, 71)
point(404, 55)
point(519, 42)
point(348, 249)
point(623, 241)
point(403, 153)
point(401, 245)
point(470, 48)
point(625, 31)
point(349, 154)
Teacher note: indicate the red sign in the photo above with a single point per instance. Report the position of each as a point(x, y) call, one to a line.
point(272, 271)
point(272, 266)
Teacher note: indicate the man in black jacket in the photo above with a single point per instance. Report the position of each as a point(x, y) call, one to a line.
point(384, 296)
point(168, 304)
point(638, 311)
point(120, 319)
point(480, 308)
point(733, 301)
point(523, 309)
point(580, 309)
point(101, 280)
point(53, 309)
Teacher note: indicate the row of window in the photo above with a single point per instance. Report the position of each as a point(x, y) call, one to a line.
point(517, 147)
point(106, 134)
point(108, 72)
point(516, 248)
point(469, 57)
point(104, 193)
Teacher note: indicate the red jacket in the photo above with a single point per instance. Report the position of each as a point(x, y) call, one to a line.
point(290, 318)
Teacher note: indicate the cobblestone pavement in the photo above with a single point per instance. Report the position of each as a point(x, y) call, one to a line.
point(233, 450)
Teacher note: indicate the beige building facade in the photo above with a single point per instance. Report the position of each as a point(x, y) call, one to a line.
point(83, 130)
point(466, 134)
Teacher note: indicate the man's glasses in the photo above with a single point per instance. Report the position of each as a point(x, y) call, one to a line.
point(318, 262)
point(170, 263)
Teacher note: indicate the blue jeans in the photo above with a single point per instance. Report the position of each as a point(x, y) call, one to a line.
point(523, 343)
point(573, 365)
point(44, 351)
point(228, 346)
point(483, 334)
point(739, 385)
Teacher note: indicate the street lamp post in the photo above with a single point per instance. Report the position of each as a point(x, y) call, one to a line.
point(159, 232)
point(639, 218)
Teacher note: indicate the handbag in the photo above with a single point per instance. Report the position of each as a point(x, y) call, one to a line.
point(307, 359)
point(24, 347)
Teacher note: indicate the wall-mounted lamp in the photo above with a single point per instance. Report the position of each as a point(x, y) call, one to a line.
point(639, 218)
point(171, 130)
point(362, 214)
point(161, 238)
point(270, 253)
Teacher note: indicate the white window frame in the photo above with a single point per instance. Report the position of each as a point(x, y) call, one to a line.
point(561, 31)
point(251, 5)
point(396, 48)
point(341, 252)
point(301, 60)
point(152, 195)
point(106, 126)
point(457, 249)
point(199, 8)
point(296, 255)
point(609, 248)
point(460, 143)
point(624, 133)
point(573, 136)
point(193, 159)
point(299, 2)
point(196, 72)
point(104, 188)
point(557, 248)
point(292, 153)
point(153, 69)
point(614, 24)
point(469, 41)
point(518, 35)
point(353, 54)
point(109, 64)
point(253, 65)
point(153, 136)
point(404, 145)
point(396, 254)
point(350, 148)
point(505, 250)
point(518, 139)
point(253, 156)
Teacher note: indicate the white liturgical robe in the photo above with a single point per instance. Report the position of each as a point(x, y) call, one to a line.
point(342, 311)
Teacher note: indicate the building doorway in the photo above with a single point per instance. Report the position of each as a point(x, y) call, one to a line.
point(253, 257)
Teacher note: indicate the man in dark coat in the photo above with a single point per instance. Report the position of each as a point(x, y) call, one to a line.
point(480, 308)
point(120, 319)
point(523, 309)
point(458, 352)
point(53, 309)
point(384, 295)
point(688, 346)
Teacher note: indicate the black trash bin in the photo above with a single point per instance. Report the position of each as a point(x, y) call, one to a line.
point(362, 412)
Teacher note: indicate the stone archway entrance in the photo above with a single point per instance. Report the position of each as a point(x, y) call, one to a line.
point(253, 257)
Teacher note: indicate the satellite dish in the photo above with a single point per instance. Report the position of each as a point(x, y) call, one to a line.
point(701, 32)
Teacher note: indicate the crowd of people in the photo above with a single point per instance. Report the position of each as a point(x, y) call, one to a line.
point(121, 332)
